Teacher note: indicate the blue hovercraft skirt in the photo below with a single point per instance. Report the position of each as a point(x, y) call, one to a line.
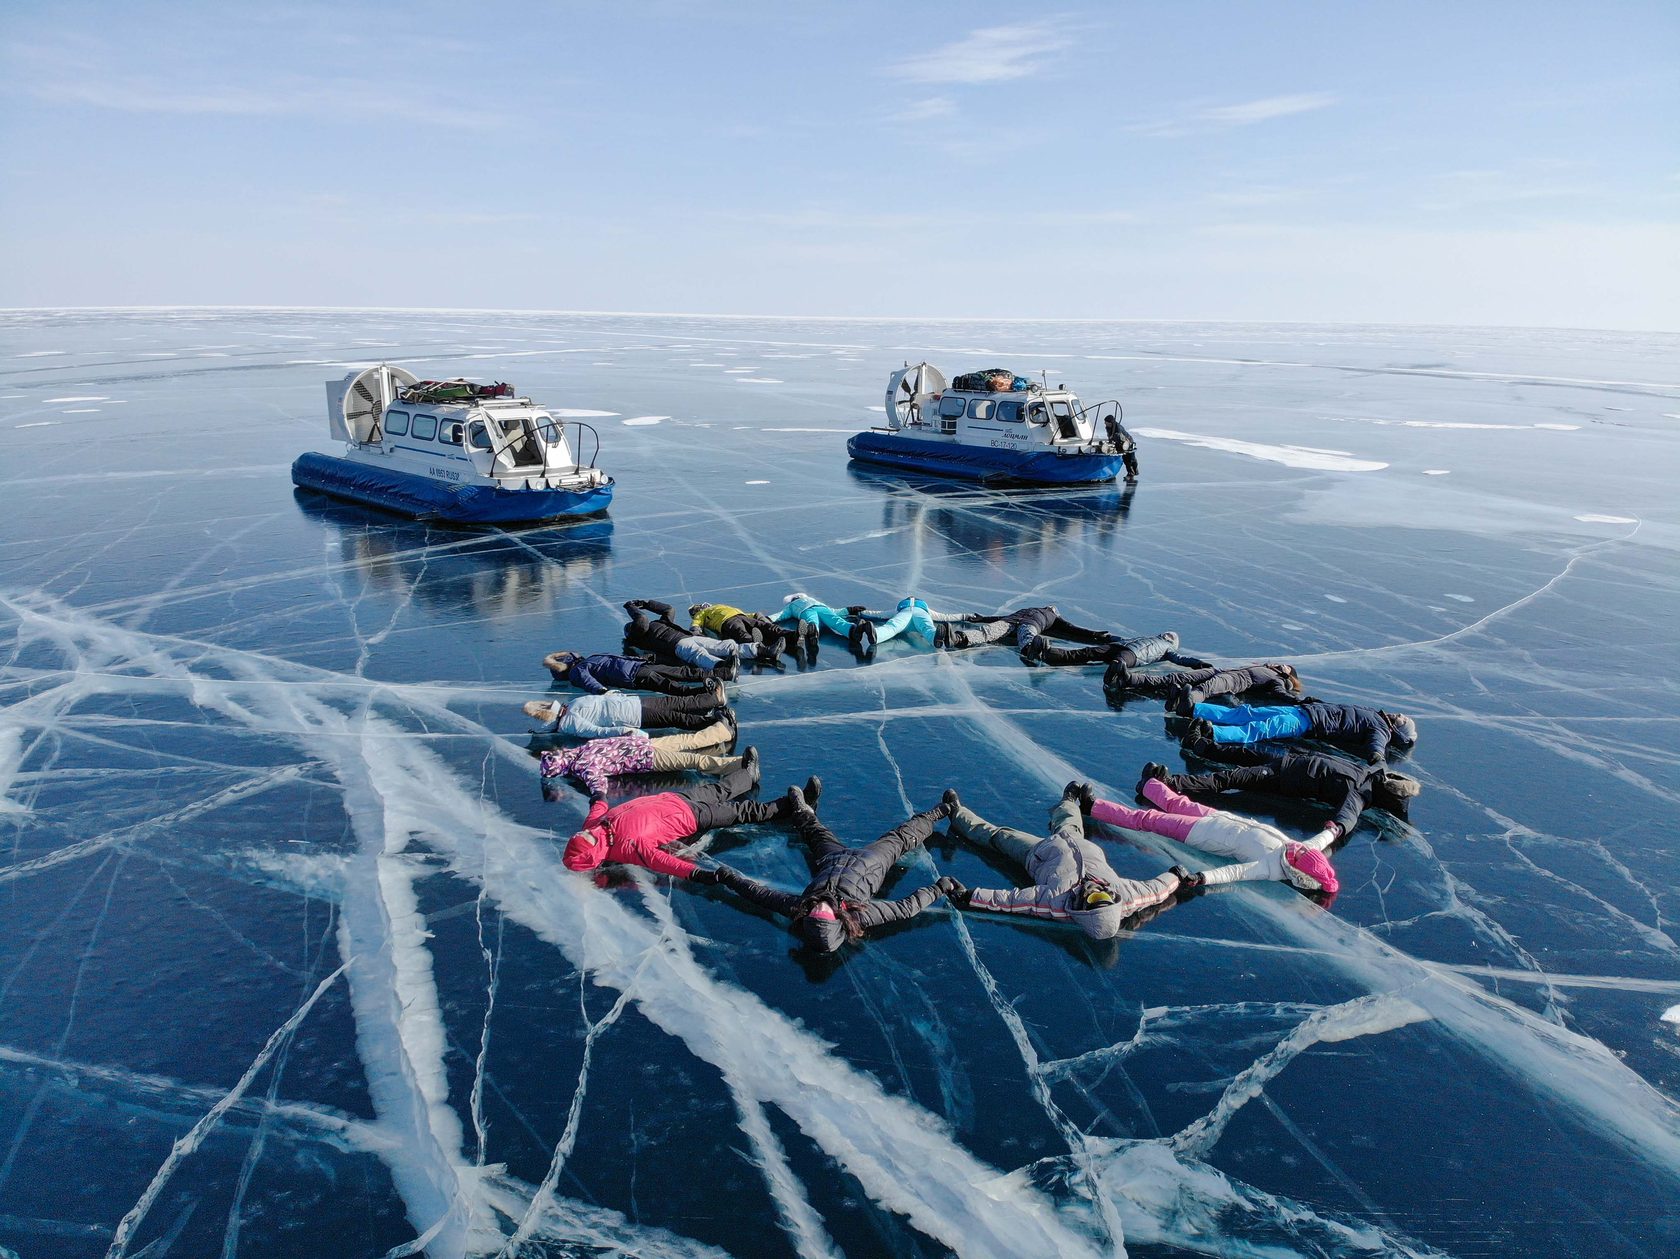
point(982, 463)
point(426, 499)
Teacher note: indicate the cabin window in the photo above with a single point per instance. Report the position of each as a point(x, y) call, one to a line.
point(451, 433)
point(396, 423)
point(951, 408)
point(980, 409)
point(1061, 410)
point(1009, 412)
point(1036, 414)
point(477, 437)
point(425, 427)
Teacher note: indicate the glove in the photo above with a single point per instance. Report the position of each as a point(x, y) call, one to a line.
point(954, 891)
point(855, 609)
point(709, 878)
point(1188, 881)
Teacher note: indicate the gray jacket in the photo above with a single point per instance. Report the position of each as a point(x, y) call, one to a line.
point(1063, 869)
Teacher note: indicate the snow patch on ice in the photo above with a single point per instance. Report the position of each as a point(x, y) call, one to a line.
point(1593, 518)
point(757, 380)
point(755, 483)
point(635, 420)
point(1672, 1014)
point(11, 757)
point(1291, 456)
point(578, 413)
point(1435, 471)
point(1460, 598)
point(1335, 598)
point(79, 397)
point(41, 353)
point(1561, 428)
point(39, 424)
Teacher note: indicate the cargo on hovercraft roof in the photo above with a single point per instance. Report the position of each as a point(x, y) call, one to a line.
point(996, 427)
point(454, 451)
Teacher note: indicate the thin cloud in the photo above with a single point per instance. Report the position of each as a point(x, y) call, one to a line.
point(928, 109)
point(295, 97)
point(1267, 108)
point(993, 54)
point(1242, 114)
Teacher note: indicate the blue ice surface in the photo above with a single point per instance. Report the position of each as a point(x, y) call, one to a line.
point(289, 964)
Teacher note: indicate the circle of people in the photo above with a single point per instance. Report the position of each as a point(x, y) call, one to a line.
point(1245, 719)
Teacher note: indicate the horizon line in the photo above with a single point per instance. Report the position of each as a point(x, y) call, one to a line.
point(672, 314)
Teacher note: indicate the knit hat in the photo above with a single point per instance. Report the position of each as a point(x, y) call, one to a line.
point(695, 609)
point(1309, 870)
point(1097, 897)
point(1405, 729)
point(796, 595)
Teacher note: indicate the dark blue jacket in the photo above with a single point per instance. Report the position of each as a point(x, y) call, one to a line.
point(598, 674)
point(1363, 728)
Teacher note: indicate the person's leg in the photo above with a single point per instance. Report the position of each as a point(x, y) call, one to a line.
point(834, 622)
point(1170, 801)
point(819, 841)
point(1008, 841)
point(980, 633)
point(894, 625)
point(1218, 780)
point(669, 760)
point(1063, 628)
point(1113, 813)
point(1050, 655)
point(714, 735)
point(706, 653)
point(670, 679)
point(1252, 725)
point(680, 712)
point(715, 803)
point(907, 836)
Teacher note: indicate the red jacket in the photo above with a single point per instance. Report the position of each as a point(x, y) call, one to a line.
point(634, 834)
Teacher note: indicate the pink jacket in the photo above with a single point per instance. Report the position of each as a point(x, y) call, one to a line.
point(634, 834)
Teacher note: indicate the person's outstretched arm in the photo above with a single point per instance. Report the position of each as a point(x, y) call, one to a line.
point(877, 913)
point(760, 894)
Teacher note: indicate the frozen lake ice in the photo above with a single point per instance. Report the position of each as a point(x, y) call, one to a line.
point(290, 964)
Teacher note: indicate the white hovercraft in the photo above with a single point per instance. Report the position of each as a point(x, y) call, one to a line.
point(998, 428)
point(453, 451)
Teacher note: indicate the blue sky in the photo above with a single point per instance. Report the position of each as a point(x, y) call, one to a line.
point(1426, 163)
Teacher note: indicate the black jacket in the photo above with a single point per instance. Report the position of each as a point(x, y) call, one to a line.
point(652, 629)
point(840, 877)
point(1344, 785)
point(1262, 683)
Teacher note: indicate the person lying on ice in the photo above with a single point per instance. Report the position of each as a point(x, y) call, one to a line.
point(651, 628)
point(639, 832)
point(809, 612)
point(1032, 629)
point(1184, 688)
point(595, 762)
point(1367, 730)
point(839, 903)
point(1349, 787)
point(1258, 851)
point(912, 616)
point(1072, 880)
point(600, 673)
point(723, 620)
point(620, 712)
